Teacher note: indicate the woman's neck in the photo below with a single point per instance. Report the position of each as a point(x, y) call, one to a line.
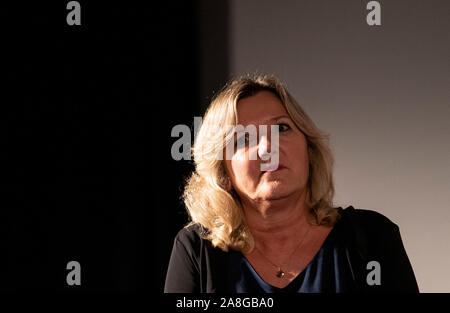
point(277, 221)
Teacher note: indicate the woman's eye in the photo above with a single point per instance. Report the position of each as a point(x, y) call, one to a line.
point(284, 127)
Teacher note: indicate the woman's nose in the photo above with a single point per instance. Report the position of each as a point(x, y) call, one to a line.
point(264, 147)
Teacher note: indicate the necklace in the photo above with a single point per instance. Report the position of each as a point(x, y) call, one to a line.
point(280, 272)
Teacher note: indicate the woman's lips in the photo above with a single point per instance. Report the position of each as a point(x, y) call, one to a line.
point(280, 167)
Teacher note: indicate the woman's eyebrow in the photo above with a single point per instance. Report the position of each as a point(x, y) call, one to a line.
point(274, 119)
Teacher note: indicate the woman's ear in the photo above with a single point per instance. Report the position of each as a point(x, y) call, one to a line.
point(226, 179)
point(229, 185)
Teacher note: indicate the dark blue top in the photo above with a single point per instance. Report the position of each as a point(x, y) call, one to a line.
point(328, 272)
point(359, 236)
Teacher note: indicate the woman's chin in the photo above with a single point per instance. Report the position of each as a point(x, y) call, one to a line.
point(273, 193)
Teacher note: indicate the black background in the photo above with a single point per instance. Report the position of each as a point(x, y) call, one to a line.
point(86, 116)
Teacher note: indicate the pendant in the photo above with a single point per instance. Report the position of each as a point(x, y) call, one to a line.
point(280, 273)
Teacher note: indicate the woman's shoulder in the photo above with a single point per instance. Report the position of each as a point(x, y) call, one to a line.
point(192, 240)
point(367, 218)
point(191, 235)
point(367, 229)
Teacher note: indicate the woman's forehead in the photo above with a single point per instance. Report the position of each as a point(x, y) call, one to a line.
point(263, 108)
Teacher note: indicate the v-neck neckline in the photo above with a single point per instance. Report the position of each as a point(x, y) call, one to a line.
point(296, 278)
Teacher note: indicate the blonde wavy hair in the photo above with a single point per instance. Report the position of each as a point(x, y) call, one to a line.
point(210, 203)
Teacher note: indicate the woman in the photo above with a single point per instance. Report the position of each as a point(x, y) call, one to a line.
point(276, 230)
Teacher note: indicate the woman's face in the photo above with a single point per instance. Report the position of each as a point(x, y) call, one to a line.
point(291, 177)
